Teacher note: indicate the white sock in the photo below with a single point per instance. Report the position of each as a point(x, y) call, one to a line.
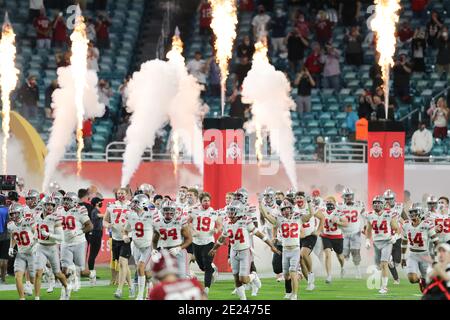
point(141, 285)
point(207, 290)
point(252, 277)
point(384, 282)
point(241, 292)
point(92, 274)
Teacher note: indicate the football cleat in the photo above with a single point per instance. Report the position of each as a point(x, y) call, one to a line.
point(287, 296)
point(28, 289)
point(234, 292)
point(328, 280)
point(118, 294)
point(280, 277)
point(397, 282)
point(383, 291)
point(132, 291)
point(310, 287)
point(293, 297)
point(215, 275)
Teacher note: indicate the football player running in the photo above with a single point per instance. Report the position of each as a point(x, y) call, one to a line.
point(380, 224)
point(75, 224)
point(290, 223)
point(418, 232)
point(442, 220)
point(313, 222)
point(115, 219)
point(50, 233)
point(353, 211)
point(205, 223)
point(165, 269)
point(332, 236)
point(238, 227)
point(22, 231)
point(172, 232)
point(139, 228)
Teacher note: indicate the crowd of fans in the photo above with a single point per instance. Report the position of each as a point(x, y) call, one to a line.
point(302, 35)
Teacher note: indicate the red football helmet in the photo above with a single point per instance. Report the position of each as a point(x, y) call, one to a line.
point(163, 264)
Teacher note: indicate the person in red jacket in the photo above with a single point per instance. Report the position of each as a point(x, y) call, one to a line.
point(102, 29)
point(313, 63)
point(43, 31)
point(59, 31)
point(87, 134)
point(205, 12)
point(418, 8)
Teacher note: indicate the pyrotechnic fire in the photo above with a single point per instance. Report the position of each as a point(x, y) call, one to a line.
point(175, 152)
point(224, 21)
point(8, 81)
point(384, 25)
point(79, 71)
point(259, 145)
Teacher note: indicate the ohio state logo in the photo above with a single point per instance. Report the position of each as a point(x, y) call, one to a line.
point(233, 151)
point(211, 151)
point(396, 151)
point(376, 151)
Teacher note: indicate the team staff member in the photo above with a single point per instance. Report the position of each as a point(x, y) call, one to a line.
point(95, 236)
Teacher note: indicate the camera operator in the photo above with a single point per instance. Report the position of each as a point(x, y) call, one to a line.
point(304, 83)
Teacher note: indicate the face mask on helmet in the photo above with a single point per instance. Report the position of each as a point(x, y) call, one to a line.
point(413, 215)
point(135, 206)
point(49, 208)
point(377, 206)
point(231, 212)
point(432, 206)
point(390, 202)
point(286, 212)
point(15, 216)
point(268, 199)
point(239, 197)
point(31, 202)
point(168, 214)
point(68, 203)
point(330, 206)
point(348, 198)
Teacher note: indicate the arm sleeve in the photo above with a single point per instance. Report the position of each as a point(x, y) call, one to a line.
point(58, 235)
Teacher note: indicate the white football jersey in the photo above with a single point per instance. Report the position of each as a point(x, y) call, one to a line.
point(203, 223)
point(353, 214)
point(72, 224)
point(118, 213)
point(29, 213)
point(442, 220)
point(310, 226)
point(24, 234)
point(48, 224)
point(330, 229)
point(239, 233)
point(381, 224)
point(419, 237)
point(290, 229)
point(141, 228)
point(170, 233)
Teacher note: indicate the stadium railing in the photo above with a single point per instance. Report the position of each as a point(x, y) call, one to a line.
point(345, 152)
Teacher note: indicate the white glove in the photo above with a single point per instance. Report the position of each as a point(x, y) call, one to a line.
point(126, 239)
point(368, 244)
point(44, 233)
point(154, 252)
point(11, 252)
point(394, 239)
point(175, 251)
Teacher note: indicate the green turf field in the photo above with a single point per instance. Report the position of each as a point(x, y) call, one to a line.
point(340, 289)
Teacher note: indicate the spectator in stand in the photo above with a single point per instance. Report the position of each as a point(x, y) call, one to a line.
point(35, 9)
point(422, 141)
point(439, 117)
point(418, 8)
point(205, 13)
point(433, 28)
point(59, 32)
point(302, 25)
point(104, 95)
point(278, 26)
point(121, 131)
point(260, 24)
point(87, 134)
point(349, 11)
point(238, 108)
point(354, 51)
point(405, 33)
point(365, 109)
point(43, 31)
point(443, 55)
point(92, 59)
point(331, 69)
point(102, 29)
point(324, 28)
point(418, 46)
point(313, 63)
point(240, 72)
point(213, 72)
point(380, 110)
point(296, 46)
point(350, 121)
point(28, 95)
point(268, 4)
point(246, 5)
point(63, 60)
point(197, 68)
point(246, 48)
point(375, 73)
point(304, 83)
point(90, 30)
point(48, 99)
point(402, 75)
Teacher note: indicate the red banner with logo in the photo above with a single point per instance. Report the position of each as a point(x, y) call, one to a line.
point(386, 164)
point(224, 150)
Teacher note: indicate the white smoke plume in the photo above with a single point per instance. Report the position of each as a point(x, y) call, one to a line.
point(151, 91)
point(185, 109)
point(268, 90)
point(65, 121)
